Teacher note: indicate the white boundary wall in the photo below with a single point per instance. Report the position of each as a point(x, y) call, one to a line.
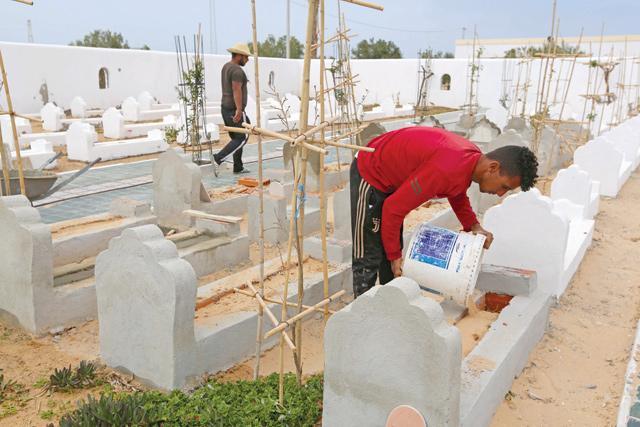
point(71, 71)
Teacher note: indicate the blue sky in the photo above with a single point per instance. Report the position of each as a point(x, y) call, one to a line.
point(411, 24)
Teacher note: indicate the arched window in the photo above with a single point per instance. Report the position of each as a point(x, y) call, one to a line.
point(445, 82)
point(103, 78)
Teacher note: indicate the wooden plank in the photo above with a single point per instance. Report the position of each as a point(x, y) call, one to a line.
point(220, 218)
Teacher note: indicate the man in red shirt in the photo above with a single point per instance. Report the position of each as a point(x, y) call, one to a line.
point(409, 167)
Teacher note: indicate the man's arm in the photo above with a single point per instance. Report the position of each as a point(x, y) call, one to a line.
point(462, 208)
point(411, 194)
point(237, 98)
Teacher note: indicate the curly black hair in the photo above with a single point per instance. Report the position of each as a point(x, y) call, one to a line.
point(517, 161)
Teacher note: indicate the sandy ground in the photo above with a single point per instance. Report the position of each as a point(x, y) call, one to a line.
point(30, 362)
point(472, 328)
point(575, 375)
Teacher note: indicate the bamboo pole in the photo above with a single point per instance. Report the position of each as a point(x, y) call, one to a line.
point(365, 4)
point(27, 2)
point(256, 68)
point(301, 169)
point(323, 195)
point(255, 130)
point(322, 304)
point(22, 116)
point(5, 169)
point(13, 125)
point(270, 315)
point(275, 301)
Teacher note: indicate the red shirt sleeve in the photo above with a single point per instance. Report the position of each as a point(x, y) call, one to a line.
point(462, 208)
point(411, 194)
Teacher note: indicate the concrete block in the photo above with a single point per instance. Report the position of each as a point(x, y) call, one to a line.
point(74, 247)
point(210, 254)
point(217, 228)
point(626, 140)
point(332, 180)
point(391, 346)
point(146, 304)
point(80, 140)
point(280, 175)
point(23, 127)
point(604, 163)
point(78, 107)
point(575, 185)
point(131, 109)
point(113, 124)
point(506, 280)
point(233, 206)
point(276, 189)
point(176, 188)
point(146, 100)
point(489, 370)
point(52, 116)
point(342, 214)
point(483, 131)
point(27, 295)
point(276, 222)
point(129, 208)
point(338, 251)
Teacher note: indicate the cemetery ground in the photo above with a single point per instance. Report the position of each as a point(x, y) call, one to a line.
point(574, 376)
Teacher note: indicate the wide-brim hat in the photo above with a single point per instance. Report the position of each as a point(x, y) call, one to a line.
point(240, 49)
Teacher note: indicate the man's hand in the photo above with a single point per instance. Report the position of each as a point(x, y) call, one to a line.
point(477, 229)
point(396, 267)
point(237, 117)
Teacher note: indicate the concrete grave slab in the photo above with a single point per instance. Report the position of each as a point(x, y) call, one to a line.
point(604, 163)
point(551, 244)
point(575, 185)
point(391, 346)
point(176, 188)
point(28, 297)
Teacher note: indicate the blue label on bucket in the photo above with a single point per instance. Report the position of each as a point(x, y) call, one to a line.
point(434, 246)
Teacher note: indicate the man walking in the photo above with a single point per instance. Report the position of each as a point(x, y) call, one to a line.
point(409, 167)
point(233, 104)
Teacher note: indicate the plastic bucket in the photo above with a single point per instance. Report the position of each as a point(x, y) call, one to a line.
point(445, 261)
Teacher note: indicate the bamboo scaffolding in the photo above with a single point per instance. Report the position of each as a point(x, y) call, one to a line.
point(275, 301)
point(13, 126)
point(323, 195)
point(270, 315)
point(22, 116)
point(256, 370)
point(365, 4)
point(301, 144)
point(322, 304)
point(5, 169)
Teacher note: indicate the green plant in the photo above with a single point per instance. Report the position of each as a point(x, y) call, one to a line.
point(170, 134)
point(242, 403)
point(6, 387)
point(67, 379)
point(12, 396)
point(47, 415)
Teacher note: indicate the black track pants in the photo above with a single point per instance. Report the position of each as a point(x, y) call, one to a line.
point(238, 140)
point(369, 258)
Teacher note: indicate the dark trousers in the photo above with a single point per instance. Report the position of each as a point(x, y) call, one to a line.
point(238, 140)
point(369, 259)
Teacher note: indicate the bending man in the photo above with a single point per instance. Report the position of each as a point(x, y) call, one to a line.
point(409, 167)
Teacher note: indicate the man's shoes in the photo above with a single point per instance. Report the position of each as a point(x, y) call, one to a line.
point(242, 171)
point(216, 168)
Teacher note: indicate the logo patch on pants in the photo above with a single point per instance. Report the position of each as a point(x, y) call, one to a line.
point(376, 224)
